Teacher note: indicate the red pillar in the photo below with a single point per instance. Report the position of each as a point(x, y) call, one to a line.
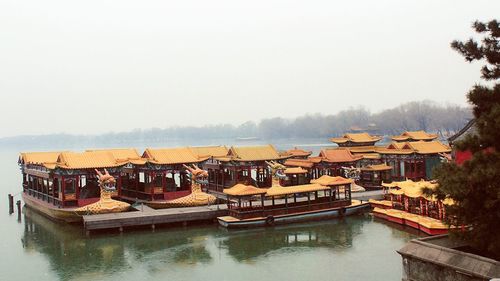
point(63, 187)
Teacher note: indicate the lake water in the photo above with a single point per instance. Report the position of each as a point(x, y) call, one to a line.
point(35, 248)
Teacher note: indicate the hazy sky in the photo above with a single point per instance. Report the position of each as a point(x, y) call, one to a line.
point(94, 66)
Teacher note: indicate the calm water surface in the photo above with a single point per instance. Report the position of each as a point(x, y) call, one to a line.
point(35, 248)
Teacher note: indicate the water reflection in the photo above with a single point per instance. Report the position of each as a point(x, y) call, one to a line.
point(335, 234)
point(68, 251)
point(179, 251)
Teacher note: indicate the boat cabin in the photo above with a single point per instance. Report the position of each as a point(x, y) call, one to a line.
point(67, 179)
point(162, 176)
point(248, 202)
point(295, 176)
point(246, 165)
point(413, 160)
point(372, 176)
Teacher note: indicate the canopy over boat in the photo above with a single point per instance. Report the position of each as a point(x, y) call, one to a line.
point(244, 190)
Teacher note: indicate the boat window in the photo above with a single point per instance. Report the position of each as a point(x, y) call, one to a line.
point(83, 181)
point(69, 186)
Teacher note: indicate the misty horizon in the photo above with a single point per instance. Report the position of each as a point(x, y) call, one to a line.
point(94, 67)
point(438, 106)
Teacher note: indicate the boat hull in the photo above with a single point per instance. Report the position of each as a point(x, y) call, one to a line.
point(293, 218)
point(69, 215)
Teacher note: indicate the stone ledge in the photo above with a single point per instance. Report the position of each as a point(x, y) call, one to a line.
point(438, 253)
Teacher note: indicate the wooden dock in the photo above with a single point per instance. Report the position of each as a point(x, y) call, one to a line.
point(145, 216)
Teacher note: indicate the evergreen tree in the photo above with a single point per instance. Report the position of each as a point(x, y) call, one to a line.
point(475, 185)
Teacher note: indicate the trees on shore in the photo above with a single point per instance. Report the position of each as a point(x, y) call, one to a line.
point(475, 185)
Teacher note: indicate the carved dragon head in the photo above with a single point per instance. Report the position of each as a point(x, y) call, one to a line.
point(277, 169)
point(199, 175)
point(106, 181)
point(352, 172)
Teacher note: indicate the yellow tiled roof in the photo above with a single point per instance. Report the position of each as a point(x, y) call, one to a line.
point(305, 163)
point(379, 167)
point(395, 148)
point(370, 155)
point(38, 157)
point(298, 152)
point(244, 190)
point(339, 155)
point(356, 138)
point(329, 180)
point(429, 147)
point(167, 156)
point(87, 160)
point(412, 189)
point(209, 151)
point(295, 170)
point(415, 135)
point(129, 155)
point(363, 149)
point(280, 190)
point(254, 153)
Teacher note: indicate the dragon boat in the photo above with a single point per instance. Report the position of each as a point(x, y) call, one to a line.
point(409, 206)
point(54, 210)
point(197, 196)
point(324, 198)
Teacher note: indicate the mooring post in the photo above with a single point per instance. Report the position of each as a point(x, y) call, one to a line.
point(11, 204)
point(18, 203)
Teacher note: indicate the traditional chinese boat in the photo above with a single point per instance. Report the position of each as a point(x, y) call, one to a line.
point(324, 198)
point(197, 196)
point(64, 185)
point(409, 206)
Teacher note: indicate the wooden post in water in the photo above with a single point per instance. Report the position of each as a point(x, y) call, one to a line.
point(18, 203)
point(11, 204)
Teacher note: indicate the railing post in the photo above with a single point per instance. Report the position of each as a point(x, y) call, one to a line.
point(18, 203)
point(11, 204)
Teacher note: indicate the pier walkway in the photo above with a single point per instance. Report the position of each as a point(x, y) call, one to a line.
point(146, 216)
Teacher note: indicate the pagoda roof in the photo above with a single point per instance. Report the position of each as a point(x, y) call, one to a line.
point(304, 163)
point(38, 158)
point(209, 151)
point(415, 136)
point(329, 180)
point(419, 147)
point(253, 153)
point(378, 167)
point(356, 138)
point(338, 155)
point(295, 170)
point(295, 152)
point(129, 155)
point(170, 156)
point(244, 190)
point(280, 190)
point(87, 160)
point(428, 147)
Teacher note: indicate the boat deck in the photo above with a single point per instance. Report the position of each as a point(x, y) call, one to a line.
point(146, 216)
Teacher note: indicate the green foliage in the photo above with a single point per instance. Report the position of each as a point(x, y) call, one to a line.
point(475, 186)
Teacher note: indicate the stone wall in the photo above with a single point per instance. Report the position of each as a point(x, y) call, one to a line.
point(437, 259)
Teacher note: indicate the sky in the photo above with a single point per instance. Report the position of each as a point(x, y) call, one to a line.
point(89, 67)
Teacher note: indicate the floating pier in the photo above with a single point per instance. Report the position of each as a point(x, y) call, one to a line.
point(145, 216)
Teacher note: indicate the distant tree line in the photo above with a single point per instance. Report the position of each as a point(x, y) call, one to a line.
point(423, 115)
